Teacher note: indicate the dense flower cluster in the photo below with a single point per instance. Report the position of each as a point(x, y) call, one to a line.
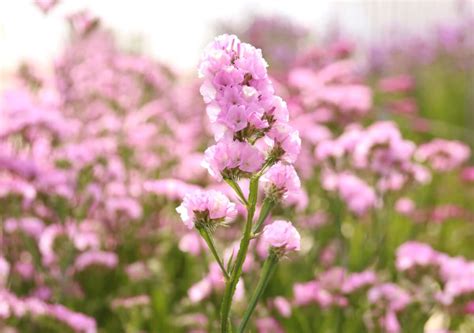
point(244, 110)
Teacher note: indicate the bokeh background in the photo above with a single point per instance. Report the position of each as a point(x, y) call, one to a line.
point(103, 130)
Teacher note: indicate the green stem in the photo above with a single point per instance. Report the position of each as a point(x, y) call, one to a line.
point(267, 272)
point(236, 272)
point(210, 243)
point(232, 183)
point(267, 206)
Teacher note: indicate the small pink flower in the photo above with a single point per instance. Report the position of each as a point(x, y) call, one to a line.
point(201, 205)
point(281, 181)
point(282, 305)
point(405, 206)
point(390, 295)
point(281, 235)
point(192, 243)
point(414, 254)
point(231, 159)
point(93, 258)
point(286, 141)
point(443, 155)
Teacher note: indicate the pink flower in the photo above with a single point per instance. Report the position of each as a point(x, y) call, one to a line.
point(282, 305)
point(405, 206)
point(232, 159)
point(206, 207)
point(281, 181)
point(77, 321)
point(355, 281)
point(443, 155)
point(397, 83)
point(467, 174)
point(236, 88)
point(192, 243)
point(389, 295)
point(414, 254)
point(285, 141)
point(95, 258)
point(281, 235)
point(268, 325)
point(358, 196)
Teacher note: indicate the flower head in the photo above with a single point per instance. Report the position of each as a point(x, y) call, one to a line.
point(280, 181)
point(232, 159)
point(281, 236)
point(206, 208)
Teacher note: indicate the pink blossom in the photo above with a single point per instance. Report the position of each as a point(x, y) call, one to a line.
point(77, 321)
point(281, 235)
point(358, 196)
point(30, 225)
point(285, 141)
point(236, 87)
point(210, 204)
point(281, 181)
point(414, 254)
point(268, 325)
point(389, 295)
point(467, 174)
point(192, 243)
point(232, 159)
point(405, 206)
point(95, 258)
point(355, 281)
point(398, 83)
point(443, 155)
point(282, 305)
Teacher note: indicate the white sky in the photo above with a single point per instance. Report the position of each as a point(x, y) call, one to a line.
point(176, 30)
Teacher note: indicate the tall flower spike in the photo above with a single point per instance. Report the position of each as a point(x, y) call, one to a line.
point(239, 95)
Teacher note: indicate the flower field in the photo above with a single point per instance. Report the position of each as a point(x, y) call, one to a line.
point(287, 185)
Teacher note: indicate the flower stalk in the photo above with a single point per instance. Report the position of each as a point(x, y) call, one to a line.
point(231, 284)
point(207, 236)
point(268, 270)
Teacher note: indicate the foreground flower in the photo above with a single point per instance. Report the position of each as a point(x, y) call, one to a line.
point(281, 236)
point(232, 160)
point(280, 181)
point(206, 208)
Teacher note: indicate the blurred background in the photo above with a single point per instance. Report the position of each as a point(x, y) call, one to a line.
point(177, 31)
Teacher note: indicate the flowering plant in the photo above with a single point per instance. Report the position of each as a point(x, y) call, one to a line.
point(255, 141)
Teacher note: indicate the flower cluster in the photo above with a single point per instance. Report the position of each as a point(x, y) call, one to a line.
point(377, 154)
point(244, 110)
point(443, 155)
point(454, 274)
